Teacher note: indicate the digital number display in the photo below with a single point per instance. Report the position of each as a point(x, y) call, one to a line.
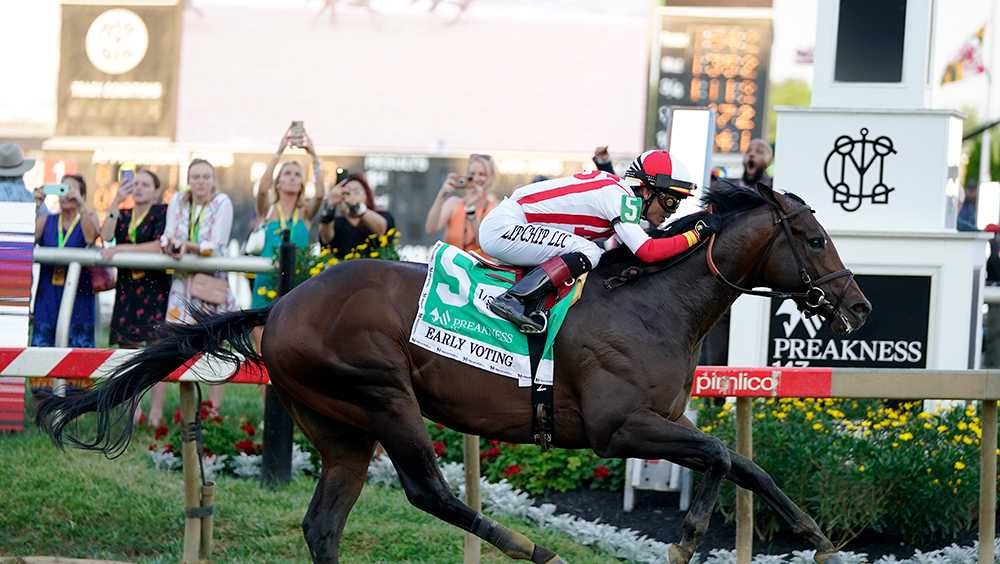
point(720, 63)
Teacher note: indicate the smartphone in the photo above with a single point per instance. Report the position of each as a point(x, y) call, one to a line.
point(55, 189)
point(297, 133)
point(126, 172)
point(342, 173)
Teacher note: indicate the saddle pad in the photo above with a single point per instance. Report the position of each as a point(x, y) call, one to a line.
point(453, 319)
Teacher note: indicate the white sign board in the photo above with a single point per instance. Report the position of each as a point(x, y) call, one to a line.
point(876, 170)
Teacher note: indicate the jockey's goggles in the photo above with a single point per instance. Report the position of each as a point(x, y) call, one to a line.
point(663, 184)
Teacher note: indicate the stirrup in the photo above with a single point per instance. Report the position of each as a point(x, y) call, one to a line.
point(541, 317)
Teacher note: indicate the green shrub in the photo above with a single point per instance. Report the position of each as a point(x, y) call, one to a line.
point(529, 468)
point(856, 465)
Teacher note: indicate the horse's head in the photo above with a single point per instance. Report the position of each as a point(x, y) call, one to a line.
point(800, 259)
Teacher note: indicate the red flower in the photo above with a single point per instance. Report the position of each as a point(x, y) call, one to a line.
point(142, 419)
point(206, 452)
point(245, 446)
point(602, 471)
point(152, 446)
point(494, 442)
point(511, 470)
point(439, 449)
point(439, 426)
point(217, 419)
point(490, 453)
point(161, 432)
point(207, 403)
point(168, 448)
point(248, 429)
point(177, 416)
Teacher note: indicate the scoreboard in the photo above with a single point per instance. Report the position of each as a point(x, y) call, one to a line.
point(717, 62)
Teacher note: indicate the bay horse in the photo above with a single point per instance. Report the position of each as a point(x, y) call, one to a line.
point(338, 354)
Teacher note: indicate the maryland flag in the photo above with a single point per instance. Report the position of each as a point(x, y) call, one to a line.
point(968, 61)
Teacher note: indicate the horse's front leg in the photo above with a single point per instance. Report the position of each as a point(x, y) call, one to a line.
point(645, 434)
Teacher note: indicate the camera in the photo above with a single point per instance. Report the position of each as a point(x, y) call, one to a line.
point(463, 182)
point(342, 173)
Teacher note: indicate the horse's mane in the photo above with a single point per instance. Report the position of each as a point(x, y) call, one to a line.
point(727, 201)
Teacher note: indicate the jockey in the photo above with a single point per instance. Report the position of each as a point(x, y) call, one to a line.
point(554, 224)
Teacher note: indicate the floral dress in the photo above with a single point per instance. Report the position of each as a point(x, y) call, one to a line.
point(140, 295)
point(208, 226)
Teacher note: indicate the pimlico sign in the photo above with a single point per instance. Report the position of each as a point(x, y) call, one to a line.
point(896, 338)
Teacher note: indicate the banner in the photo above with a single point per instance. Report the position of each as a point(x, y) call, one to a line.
point(118, 68)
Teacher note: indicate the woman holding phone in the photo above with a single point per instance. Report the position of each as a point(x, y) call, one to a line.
point(75, 226)
point(463, 202)
point(281, 205)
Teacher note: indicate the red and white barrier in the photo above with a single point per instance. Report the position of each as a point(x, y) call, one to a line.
point(54, 362)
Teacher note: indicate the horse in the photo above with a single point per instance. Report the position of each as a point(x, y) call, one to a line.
point(337, 351)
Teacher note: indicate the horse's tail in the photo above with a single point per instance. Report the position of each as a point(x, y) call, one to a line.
point(115, 399)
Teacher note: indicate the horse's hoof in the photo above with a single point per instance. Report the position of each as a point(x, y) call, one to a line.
point(678, 555)
point(829, 558)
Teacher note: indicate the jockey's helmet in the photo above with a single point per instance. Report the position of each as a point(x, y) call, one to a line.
point(661, 174)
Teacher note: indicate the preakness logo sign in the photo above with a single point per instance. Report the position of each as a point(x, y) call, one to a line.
point(895, 335)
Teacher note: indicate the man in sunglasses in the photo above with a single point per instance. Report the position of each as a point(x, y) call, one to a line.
point(554, 224)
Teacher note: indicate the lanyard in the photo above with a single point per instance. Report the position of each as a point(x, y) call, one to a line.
point(133, 225)
point(61, 234)
point(281, 217)
point(194, 225)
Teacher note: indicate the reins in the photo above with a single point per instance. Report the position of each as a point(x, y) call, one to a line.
point(812, 298)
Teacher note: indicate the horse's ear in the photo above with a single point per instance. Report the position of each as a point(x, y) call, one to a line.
point(767, 192)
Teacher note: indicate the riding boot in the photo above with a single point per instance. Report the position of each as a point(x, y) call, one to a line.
point(520, 303)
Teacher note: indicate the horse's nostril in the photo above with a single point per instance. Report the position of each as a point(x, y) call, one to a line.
point(862, 308)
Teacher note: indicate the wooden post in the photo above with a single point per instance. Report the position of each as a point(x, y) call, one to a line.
point(192, 481)
point(470, 450)
point(744, 498)
point(207, 522)
point(988, 481)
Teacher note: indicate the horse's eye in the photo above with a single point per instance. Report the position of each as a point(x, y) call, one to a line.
point(817, 242)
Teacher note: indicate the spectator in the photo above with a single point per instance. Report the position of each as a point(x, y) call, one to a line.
point(198, 222)
point(140, 295)
point(602, 160)
point(285, 207)
point(349, 216)
point(967, 213)
point(13, 165)
point(755, 162)
point(463, 202)
point(75, 226)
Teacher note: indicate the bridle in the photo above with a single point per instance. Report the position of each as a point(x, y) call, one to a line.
point(813, 299)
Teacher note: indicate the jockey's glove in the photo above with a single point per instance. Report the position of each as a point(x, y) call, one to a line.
point(707, 226)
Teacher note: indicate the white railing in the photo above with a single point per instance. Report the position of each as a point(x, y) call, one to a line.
point(75, 259)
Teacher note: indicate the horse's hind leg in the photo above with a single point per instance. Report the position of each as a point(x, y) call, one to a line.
point(647, 435)
point(746, 474)
point(401, 431)
point(346, 452)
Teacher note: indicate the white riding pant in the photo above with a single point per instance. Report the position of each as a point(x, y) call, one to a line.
point(506, 235)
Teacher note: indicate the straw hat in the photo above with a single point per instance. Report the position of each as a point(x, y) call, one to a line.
point(12, 161)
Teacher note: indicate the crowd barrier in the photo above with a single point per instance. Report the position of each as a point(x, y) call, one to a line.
point(709, 381)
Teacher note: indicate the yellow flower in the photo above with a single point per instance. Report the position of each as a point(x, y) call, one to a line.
point(324, 251)
point(906, 436)
point(707, 429)
point(957, 438)
point(929, 470)
point(272, 294)
point(962, 426)
point(924, 415)
point(391, 232)
point(332, 261)
point(262, 291)
point(817, 426)
point(779, 414)
point(809, 416)
point(936, 482)
point(895, 445)
point(967, 440)
point(941, 429)
point(373, 254)
point(866, 432)
point(959, 465)
point(928, 426)
point(861, 468)
point(958, 482)
point(760, 416)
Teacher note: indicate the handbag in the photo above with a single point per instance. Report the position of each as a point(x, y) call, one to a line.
point(209, 289)
point(103, 278)
point(258, 237)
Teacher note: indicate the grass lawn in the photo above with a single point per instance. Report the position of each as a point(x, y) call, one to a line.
point(78, 504)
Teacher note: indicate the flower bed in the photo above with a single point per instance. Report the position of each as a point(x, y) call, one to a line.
point(529, 468)
point(229, 446)
point(856, 465)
